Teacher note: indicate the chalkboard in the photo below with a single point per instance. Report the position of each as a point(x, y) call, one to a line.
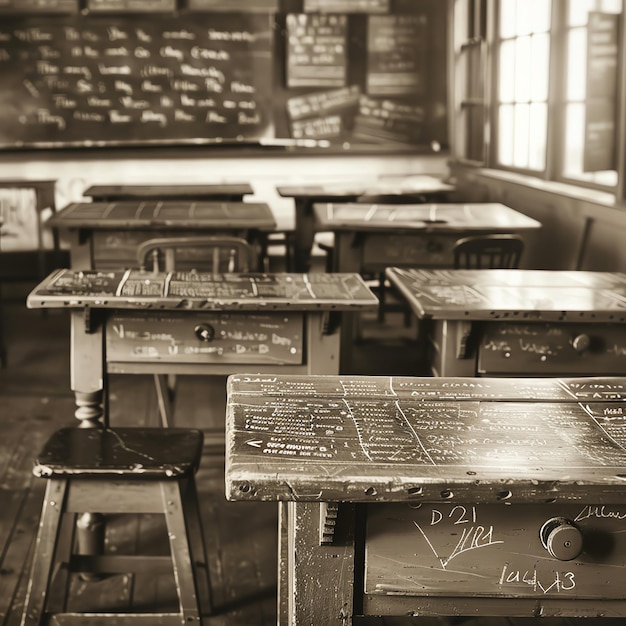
point(105, 80)
point(264, 75)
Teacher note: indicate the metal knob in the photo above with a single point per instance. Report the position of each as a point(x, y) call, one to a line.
point(204, 332)
point(561, 538)
point(581, 342)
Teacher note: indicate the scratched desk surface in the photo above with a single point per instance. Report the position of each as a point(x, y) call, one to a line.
point(428, 217)
point(135, 214)
point(518, 295)
point(134, 289)
point(369, 438)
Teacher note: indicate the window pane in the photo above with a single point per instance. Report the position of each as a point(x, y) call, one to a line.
point(574, 138)
point(578, 10)
point(540, 64)
point(505, 136)
point(523, 18)
point(576, 64)
point(537, 137)
point(522, 69)
point(508, 14)
point(521, 133)
point(507, 71)
point(540, 11)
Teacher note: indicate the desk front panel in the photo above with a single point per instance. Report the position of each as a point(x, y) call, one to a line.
point(246, 338)
point(568, 558)
point(381, 250)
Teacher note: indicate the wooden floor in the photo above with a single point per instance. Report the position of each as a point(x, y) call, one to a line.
point(241, 538)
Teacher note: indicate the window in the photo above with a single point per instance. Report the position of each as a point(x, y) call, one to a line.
point(471, 54)
point(523, 62)
point(549, 96)
point(589, 114)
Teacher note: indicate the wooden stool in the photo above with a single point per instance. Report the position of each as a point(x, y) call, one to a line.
point(122, 470)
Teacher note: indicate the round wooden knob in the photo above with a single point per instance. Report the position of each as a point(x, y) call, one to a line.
point(581, 342)
point(204, 332)
point(561, 539)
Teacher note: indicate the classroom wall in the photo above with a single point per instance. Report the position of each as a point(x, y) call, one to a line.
point(581, 229)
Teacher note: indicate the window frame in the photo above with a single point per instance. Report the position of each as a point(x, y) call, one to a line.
point(556, 125)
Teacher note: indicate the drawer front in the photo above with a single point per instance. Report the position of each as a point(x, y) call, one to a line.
point(552, 349)
point(537, 551)
point(421, 250)
point(205, 337)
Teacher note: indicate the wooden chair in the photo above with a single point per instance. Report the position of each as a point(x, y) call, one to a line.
point(215, 254)
point(488, 252)
point(123, 471)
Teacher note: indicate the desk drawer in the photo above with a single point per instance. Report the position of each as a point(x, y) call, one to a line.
point(205, 337)
point(382, 250)
point(495, 551)
point(552, 349)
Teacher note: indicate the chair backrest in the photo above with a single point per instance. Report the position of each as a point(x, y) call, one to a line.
point(217, 254)
point(488, 252)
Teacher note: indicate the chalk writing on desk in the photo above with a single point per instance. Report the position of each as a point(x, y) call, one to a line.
point(438, 433)
point(491, 550)
point(88, 80)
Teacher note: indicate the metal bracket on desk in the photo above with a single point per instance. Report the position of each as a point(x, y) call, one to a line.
point(464, 330)
point(91, 319)
point(328, 520)
point(330, 322)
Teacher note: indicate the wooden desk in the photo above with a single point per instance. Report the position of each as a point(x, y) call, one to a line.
point(132, 322)
point(436, 496)
point(226, 192)
point(407, 189)
point(105, 235)
point(518, 322)
point(371, 237)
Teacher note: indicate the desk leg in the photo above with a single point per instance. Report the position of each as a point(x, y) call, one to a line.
point(87, 382)
point(323, 343)
point(316, 582)
point(87, 370)
point(304, 234)
point(348, 254)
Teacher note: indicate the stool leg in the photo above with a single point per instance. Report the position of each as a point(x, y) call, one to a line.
point(181, 554)
point(43, 559)
point(199, 560)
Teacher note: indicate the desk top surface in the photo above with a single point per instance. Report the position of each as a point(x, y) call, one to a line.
point(173, 214)
point(373, 438)
point(407, 186)
point(516, 295)
point(134, 289)
point(422, 217)
point(160, 191)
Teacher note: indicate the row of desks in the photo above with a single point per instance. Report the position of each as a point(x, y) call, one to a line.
point(368, 237)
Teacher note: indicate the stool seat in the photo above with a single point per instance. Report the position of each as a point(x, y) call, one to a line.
point(143, 453)
point(93, 475)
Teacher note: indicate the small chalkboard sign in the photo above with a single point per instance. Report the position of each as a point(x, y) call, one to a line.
point(316, 50)
point(395, 45)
